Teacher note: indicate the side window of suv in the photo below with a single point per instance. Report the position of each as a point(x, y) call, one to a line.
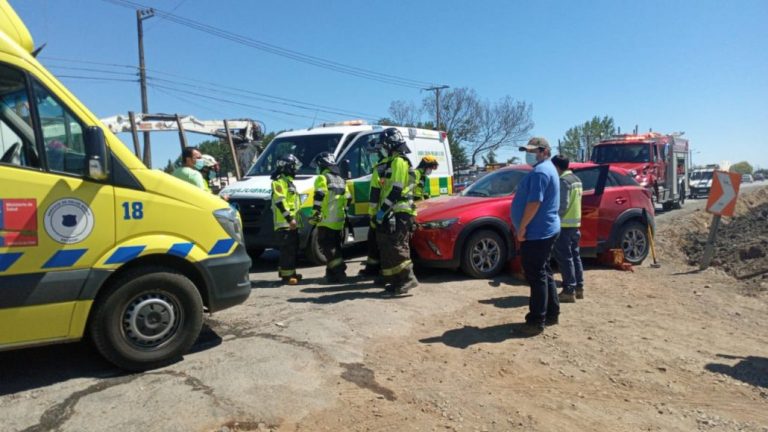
point(588, 178)
point(62, 134)
point(17, 137)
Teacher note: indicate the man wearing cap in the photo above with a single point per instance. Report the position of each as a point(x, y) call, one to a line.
point(537, 225)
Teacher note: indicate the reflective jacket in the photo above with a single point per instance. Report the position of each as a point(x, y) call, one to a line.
point(374, 194)
point(397, 187)
point(330, 200)
point(285, 202)
point(570, 200)
point(420, 187)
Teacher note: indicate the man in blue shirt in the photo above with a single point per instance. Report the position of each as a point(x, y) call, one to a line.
point(537, 224)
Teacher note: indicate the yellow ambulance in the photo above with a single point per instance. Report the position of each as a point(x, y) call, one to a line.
point(92, 243)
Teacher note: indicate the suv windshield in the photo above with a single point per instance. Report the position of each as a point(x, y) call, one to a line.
point(304, 147)
point(611, 153)
point(701, 175)
point(495, 184)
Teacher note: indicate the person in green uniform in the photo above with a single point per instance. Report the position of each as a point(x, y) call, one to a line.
point(329, 212)
point(191, 164)
point(285, 212)
point(395, 216)
point(426, 166)
point(373, 260)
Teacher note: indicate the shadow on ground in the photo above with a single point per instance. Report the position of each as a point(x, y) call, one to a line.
point(470, 335)
point(509, 302)
point(750, 369)
point(33, 368)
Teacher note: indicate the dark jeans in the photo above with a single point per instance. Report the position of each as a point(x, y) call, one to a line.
point(566, 253)
point(289, 247)
point(535, 255)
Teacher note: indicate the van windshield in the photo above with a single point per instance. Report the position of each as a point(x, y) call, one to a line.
point(304, 147)
point(611, 153)
point(701, 175)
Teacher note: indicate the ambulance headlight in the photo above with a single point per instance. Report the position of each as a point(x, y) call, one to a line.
point(230, 222)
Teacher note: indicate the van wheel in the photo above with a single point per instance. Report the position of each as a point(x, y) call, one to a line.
point(147, 318)
point(484, 254)
point(312, 251)
point(633, 240)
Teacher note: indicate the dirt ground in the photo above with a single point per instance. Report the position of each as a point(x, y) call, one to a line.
point(657, 349)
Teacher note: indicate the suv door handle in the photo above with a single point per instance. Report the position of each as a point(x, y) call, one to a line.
point(621, 200)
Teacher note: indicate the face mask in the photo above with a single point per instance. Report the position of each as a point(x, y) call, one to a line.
point(199, 164)
point(530, 158)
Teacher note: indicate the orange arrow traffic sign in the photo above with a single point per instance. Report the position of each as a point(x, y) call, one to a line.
point(725, 190)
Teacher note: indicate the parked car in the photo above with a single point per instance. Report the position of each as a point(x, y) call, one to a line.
point(747, 178)
point(473, 231)
point(759, 177)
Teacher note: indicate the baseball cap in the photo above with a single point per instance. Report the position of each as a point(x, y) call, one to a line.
point(535, 143)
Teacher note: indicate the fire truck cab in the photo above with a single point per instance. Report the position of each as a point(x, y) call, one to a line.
point(659, 163)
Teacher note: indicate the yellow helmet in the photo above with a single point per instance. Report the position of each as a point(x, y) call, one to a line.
point(428, 161)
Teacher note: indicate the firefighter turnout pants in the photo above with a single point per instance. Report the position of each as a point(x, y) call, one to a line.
point(329, 240)
point(373, 261)
point(289, 248)
point(393, 238)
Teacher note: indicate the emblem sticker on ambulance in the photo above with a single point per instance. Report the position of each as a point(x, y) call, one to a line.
point(69, 221)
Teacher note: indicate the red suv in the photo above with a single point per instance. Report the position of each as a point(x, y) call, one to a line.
point(474, 231)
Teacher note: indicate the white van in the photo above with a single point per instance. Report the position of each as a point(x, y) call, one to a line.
point(347, 141)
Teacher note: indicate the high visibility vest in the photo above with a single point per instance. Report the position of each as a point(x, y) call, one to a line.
point(571, 185)
point(420, 186)
point(374, 194)
point(331, 200)
point(399, 176)
point(284, 191)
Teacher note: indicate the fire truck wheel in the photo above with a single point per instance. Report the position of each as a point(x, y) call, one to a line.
point(147, 318)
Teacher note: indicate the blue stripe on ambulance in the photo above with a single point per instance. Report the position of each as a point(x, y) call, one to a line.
point(64, 258)
point(222, 246)
point(124, 254)
point(8, 259)
point(180, 250)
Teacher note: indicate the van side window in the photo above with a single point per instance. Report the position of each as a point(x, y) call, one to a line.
point(17, 137)
point(62, 134)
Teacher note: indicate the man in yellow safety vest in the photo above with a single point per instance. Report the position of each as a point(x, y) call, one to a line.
point(566, 248)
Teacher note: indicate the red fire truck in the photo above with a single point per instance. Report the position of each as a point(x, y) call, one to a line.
point(660, 163)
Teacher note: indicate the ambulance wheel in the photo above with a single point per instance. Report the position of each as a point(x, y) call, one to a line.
point(312, 251)
point(147, 318)
point(255, 252)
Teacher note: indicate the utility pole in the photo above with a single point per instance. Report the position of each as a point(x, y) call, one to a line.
point(141, 15)
point(437, 89)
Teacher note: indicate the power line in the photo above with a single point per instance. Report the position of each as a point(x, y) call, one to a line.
point(92, 70)
point(277, 50)
point(97, 78)
point(309, 106)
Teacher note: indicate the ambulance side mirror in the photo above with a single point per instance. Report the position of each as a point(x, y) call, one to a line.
point(96, 153)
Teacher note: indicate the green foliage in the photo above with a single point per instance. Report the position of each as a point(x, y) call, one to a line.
point(585, 136)
point(220, 151)
point(490, 158)
point(742, 167)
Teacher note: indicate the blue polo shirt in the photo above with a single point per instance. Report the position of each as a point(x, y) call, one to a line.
point(542, 185)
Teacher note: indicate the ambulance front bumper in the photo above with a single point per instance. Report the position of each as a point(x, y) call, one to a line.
point(227, 279)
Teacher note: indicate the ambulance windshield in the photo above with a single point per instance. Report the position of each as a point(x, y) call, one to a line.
point(304, 147)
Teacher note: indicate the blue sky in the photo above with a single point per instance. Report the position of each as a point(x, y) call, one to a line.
point(695, 66)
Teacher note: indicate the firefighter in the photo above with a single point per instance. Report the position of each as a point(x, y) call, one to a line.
point(285, 210)
point(329, 214)
point(426, 166)
point(395, 214)
point(373, 260)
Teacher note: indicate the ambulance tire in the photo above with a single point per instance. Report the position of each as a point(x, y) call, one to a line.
point(148, 318)
point(312, 251)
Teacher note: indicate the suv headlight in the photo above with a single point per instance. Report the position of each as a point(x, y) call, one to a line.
point(230, 222)
point(439, 224)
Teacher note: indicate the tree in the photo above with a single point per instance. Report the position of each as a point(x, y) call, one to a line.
point(588, 134)
point(169, 167)
point(459, 112)
point(501, 124)
point(221, 152)
point(404, 113)
point(490, 158)
point(513, 160)
point(742, 167)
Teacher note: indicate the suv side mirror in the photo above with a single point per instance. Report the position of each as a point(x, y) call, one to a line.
point(344, 169)
point(95, 153)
